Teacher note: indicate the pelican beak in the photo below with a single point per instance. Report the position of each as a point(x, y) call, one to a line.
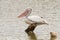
point(45, 22)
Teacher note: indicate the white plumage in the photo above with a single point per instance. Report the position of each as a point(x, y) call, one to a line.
point(35, 18)
point(32, 18)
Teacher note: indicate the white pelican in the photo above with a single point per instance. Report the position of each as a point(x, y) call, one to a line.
point(33, 20)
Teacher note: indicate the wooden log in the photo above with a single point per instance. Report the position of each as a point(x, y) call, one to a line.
point(31, 27)
point(32, 35)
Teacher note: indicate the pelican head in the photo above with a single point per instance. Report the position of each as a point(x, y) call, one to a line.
point(26, 13)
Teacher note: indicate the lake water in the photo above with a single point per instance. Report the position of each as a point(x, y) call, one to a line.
point(13, 28)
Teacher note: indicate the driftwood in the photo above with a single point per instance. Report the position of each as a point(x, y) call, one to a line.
point(31, 27)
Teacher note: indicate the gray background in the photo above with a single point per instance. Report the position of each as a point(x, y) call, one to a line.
point(12, 28)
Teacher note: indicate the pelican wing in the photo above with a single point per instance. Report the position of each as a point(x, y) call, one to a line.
point(35, 18)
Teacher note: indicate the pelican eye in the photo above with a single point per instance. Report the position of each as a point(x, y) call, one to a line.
point(41, 17)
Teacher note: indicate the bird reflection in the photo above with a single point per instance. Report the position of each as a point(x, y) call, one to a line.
point(31, 35)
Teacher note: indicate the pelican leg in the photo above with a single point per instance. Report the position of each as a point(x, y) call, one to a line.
point(31, 27)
